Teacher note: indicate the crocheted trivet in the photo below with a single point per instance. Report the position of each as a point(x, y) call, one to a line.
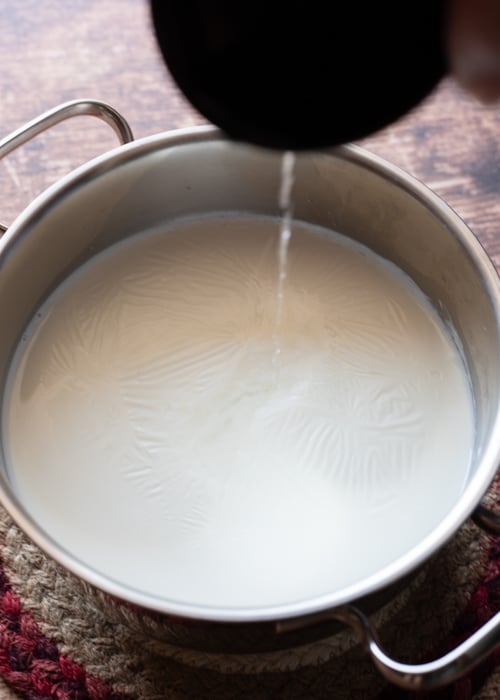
point(61, 639)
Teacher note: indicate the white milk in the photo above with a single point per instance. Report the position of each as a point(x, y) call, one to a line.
point(285, 204)
point(145, 432)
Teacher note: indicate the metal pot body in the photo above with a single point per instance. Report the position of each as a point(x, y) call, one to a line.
point(141, 185)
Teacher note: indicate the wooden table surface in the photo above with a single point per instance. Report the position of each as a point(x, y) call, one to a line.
point(52, 51)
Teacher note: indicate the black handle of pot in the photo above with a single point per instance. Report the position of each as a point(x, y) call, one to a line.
point(426, 676)
point(74, 108)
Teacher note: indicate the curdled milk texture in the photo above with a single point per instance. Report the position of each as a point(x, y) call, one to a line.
point(148, 432)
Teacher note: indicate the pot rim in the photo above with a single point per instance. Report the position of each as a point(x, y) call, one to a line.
point(387, 575)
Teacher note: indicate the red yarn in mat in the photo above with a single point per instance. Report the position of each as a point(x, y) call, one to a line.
point(483, 604)
point(31, 664)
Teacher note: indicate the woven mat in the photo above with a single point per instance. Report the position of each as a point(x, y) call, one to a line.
point(61, 639)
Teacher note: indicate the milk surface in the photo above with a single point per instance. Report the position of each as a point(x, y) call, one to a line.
point(147, 429)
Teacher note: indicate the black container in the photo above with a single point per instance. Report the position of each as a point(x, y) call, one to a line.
point(303, 73)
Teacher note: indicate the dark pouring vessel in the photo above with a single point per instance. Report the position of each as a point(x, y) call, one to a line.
point(302, 74)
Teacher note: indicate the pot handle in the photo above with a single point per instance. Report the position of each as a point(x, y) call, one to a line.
point(58, 114)
point(426, 676)
point(485, 517)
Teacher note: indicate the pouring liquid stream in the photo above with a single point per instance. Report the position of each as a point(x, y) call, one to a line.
point(285, 233)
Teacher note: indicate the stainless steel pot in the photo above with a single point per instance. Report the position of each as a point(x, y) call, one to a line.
point(140, 185)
